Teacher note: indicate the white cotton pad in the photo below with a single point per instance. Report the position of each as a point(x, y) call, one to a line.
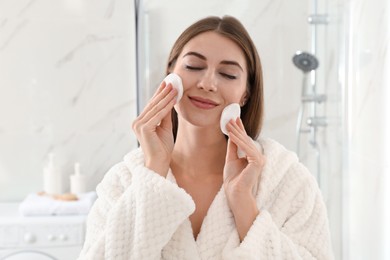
point(177, 84)
point(231, 111)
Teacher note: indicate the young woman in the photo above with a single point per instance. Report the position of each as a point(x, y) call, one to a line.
point(185, 193)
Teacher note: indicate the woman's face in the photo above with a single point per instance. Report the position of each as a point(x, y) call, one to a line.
point(214, 73)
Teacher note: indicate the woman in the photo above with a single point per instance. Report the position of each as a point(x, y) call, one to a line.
point(185, 194)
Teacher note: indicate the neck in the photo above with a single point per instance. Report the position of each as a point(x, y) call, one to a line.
point(199, 151)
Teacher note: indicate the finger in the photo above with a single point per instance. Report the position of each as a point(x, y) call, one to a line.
point(235, 129)
point(160, 88)
point(161, 100)
point(156, 98)
point(244, 136)
point(241, 139)
point(157, 108)
point(143, 130)
point(156, 116)
point(257, 146)
point(166, 122)
point(231, 153)
point(240, 124)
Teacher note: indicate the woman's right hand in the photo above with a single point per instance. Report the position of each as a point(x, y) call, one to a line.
point(153, 128)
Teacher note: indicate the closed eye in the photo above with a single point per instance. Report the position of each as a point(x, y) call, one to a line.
point(193, 68)
point(228, 76)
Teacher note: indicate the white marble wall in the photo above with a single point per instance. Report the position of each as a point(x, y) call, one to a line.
point(367, 200)
point(67, 86)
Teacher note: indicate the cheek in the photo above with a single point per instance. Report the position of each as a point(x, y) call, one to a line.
point(187, 79)
point(233, 97)
point(235, 94)
point(186, 83)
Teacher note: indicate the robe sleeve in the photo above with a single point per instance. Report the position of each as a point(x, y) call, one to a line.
point(303, 233)
point(134, 222)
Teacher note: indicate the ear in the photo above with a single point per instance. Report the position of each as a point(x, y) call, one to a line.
point(244, 99)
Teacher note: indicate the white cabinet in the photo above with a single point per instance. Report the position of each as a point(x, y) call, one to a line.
point(39, 238)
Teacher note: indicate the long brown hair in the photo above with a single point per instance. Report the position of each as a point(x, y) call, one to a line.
point(230, 27)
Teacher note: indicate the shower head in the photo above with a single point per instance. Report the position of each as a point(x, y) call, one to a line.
point(305, 61)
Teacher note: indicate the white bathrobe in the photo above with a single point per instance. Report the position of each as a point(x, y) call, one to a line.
point(141, 215)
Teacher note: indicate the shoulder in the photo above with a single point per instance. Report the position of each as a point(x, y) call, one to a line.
point(119, 176)
point(276, 153)
point(283, 172)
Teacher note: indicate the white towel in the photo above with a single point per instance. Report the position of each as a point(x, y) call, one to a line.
point(38, 205)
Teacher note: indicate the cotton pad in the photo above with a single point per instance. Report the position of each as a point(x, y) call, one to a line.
point(177, 84)
point(231, 111)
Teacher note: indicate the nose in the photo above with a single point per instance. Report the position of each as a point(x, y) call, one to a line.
point(208, 82)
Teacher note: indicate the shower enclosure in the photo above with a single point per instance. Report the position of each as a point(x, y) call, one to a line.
point(308, 63)
point(329, 107)
point(319, 139)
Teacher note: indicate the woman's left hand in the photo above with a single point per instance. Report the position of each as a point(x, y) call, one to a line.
point(241, 175)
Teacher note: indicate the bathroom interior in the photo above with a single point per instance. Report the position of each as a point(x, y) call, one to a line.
point(74, 74)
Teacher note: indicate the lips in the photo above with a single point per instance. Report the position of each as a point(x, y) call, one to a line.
point(203, 103)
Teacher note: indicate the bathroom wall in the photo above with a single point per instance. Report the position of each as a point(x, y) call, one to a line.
point(367, 128)
point(67, 86)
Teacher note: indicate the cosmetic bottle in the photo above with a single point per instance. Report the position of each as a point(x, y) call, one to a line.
point(52, 178)
point(78, 181)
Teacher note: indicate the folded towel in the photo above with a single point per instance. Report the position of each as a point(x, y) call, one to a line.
point(43, 205)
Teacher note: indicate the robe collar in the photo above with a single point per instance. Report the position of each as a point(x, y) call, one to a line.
point(217, 227)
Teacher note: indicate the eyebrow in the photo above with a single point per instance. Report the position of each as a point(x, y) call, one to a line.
point(200, 56)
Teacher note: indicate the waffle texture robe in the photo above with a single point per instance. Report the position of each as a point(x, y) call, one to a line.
point(141, 215)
